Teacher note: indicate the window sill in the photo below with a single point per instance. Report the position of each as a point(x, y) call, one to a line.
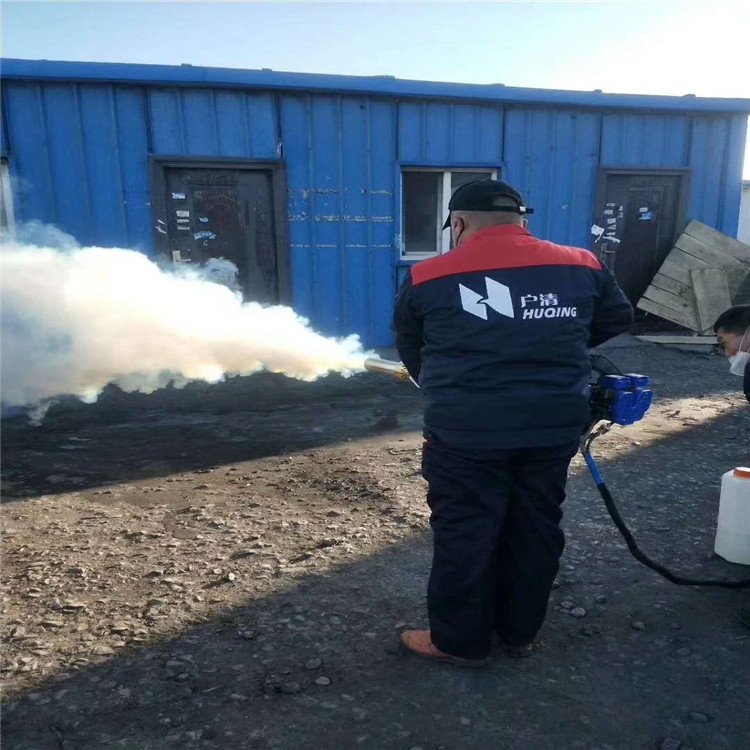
point(407, 260)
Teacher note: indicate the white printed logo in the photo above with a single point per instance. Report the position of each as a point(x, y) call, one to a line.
point(540, 305)
point(497, 297)
point(545, 305)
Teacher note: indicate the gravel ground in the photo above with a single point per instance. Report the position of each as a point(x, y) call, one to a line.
point(229, 567)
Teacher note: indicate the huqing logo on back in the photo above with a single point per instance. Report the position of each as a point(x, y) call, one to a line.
point(498, 298)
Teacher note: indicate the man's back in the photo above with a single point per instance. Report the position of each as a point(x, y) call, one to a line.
point(497, 332)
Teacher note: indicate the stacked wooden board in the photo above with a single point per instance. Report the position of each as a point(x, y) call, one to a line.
point(702, 275)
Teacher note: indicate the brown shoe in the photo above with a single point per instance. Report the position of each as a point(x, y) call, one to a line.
point(419, 643)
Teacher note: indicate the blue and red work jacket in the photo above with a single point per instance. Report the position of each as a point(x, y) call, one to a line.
point(497, 332)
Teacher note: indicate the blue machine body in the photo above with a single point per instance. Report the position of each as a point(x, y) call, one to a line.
point(622, 399)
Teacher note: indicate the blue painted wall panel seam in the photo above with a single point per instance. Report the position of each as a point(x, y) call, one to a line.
point(423, 131)
point(181, 121)
point(343, 316)
point(149, 120)
point(217, 149)
point(47, 154)
point(368, 266)
point(6, 145)
point(248, 120)
point(118, 160)
point(276, 104)
point(85, 158)
point(313, 201)
point(552, 170)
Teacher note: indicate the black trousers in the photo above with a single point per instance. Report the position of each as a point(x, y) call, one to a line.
point(497, 542)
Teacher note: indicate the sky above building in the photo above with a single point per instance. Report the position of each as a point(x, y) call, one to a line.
point(627, 47)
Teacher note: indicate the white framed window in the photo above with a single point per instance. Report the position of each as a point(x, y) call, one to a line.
point(425, 193)
point(7, 217)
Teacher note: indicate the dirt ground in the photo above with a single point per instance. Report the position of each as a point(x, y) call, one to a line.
point(229, 567)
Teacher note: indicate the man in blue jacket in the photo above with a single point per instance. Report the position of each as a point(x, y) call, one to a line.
point(496, 333)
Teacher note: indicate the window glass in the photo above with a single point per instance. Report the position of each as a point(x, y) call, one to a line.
point(421, 201)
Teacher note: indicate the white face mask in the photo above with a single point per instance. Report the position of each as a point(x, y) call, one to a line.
point(738, 362)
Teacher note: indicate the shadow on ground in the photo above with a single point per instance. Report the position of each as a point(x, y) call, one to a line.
point(128, 437)
point(648, 660)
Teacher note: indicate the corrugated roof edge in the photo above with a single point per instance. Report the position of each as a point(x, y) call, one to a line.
point(189, 75)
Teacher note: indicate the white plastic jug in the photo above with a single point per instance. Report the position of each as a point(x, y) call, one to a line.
point(733, 528)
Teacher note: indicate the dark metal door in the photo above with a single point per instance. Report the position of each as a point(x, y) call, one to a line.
point(225, 213)
point(639, 214)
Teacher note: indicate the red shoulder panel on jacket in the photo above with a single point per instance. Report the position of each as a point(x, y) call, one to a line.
point(504, 246)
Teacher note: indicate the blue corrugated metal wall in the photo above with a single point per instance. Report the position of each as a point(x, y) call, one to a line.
point(716, 158)
point(552, 155)
point(79, 159)
point(339, 153)
point(445, 134)
point(207, 122)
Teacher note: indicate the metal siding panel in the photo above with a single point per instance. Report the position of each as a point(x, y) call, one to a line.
point(231, 122)
point(129, 115)
point(410, 132)
point(264, 136)
point(356, 220)
point(476, 135)
point(716, 158)
point(437, 133)
point(539, 148)
point(647, 140)
point(198, 115)
point(100, 136)
point(205, 122)
point(667, 140)
point(613, 134)
point(583, 189)
point(340, 156)
point(382, 224)
point(573, 176)
point(516, 155)
point(732, 192)
point(441, 134)
point(657, 143)
point(464, 135)
point(67, 160)
point(551, 157)
point(707, 157)
point(166, 122)
point(562, 179)
point(4, 142)
point(698, 165)
point(34, 197)
point(488, 135)
point(294, 126)
point(325, 129)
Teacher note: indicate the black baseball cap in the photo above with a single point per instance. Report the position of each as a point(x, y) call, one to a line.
point(480, 195)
